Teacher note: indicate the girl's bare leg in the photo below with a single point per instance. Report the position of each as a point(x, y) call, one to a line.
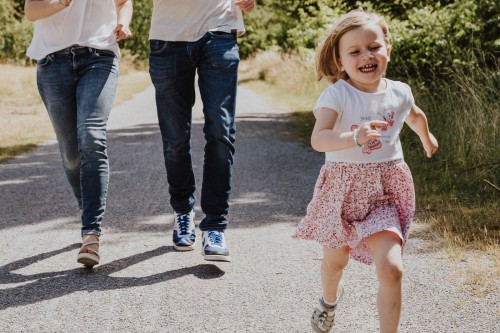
point(386, 249)
point(332, 267)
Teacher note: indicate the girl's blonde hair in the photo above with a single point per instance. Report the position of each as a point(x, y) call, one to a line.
point(327, 58)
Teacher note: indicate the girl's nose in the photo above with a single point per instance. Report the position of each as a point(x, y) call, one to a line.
point(367, 54)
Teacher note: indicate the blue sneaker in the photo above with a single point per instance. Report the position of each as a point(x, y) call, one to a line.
point(184, 233)
point(214, 246)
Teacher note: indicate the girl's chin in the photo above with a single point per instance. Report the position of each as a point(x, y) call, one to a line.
point(367, 86)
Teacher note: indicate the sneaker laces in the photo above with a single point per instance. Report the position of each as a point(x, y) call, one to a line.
point(215, 237)
point(183, 222)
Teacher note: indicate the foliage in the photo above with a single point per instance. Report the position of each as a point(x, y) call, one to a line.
point(138, 44)
point(436, 39)
point(15, 33)
point(291, 24)
point(429, 37)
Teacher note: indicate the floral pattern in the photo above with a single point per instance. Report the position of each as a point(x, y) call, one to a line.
point(352, 201)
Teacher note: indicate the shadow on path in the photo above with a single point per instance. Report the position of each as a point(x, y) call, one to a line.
point(51, 285)
point(273, 179)
point(270, 185)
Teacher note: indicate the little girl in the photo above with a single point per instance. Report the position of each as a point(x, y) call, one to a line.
point(364, 199)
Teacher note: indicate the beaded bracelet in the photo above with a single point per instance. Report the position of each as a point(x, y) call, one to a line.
point(355, 138)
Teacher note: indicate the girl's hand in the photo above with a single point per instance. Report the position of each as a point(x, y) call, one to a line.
point(368, 131)
point(246, 5)
point(122, 32)
point(430, 145)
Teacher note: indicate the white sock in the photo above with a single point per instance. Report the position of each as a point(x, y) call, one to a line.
point(330, 304)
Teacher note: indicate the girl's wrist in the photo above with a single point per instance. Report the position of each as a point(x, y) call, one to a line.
point(355, 138)
point(425, 138)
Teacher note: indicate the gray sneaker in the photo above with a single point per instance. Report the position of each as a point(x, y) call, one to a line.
point(323, 315)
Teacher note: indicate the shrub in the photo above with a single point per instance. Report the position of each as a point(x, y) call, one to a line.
point(15, 33)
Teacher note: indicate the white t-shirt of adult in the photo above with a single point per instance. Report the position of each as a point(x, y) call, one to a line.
point(189, 20)
point(84, 22)
point(355, 107)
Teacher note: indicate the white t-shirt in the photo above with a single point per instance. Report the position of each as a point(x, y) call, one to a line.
point(84, 22)
point(355, 107)
point(189, 20)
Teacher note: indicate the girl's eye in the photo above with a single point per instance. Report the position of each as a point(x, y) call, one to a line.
point(354, 52)
point(375, 48)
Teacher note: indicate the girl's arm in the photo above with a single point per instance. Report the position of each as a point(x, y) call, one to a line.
point(418, 123)
point(39, 9)
point(124, 10)
point(324, 139)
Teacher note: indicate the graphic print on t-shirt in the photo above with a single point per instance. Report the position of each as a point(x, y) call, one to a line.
point(387, 116)
point(368, 147)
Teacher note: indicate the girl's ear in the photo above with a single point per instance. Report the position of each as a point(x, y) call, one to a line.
point(339, 63)
point(389, 49)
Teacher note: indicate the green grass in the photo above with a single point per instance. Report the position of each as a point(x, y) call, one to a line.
point(14, 150)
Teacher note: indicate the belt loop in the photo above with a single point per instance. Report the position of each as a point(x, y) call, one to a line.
point(235, 33)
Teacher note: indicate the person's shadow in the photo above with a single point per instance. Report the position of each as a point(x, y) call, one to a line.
point(56, 284)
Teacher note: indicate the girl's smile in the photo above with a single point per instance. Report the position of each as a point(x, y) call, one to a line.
point(368, 68)
point(364, 55)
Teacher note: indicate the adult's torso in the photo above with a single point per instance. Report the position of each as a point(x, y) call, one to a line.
point(189, 20)
point(85, 22)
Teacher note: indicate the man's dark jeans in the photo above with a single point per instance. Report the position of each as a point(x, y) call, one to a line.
point(173, 66)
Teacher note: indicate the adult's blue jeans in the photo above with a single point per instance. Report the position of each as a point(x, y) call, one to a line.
point(77, 86)
point(173, 66)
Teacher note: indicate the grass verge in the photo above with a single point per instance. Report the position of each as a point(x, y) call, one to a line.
point(24, 122)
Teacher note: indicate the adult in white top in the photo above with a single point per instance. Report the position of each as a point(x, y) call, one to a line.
point(187, 38)
point(75, 45)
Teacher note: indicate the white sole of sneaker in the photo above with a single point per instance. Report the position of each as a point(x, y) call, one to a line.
point(214, 257)
point(185, 248)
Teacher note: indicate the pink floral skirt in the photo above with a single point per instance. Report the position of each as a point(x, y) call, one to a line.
point(352, 201)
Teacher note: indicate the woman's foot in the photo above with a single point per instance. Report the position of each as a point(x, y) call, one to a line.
point(89, 252)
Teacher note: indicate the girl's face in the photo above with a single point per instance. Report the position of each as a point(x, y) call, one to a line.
point(364, 56)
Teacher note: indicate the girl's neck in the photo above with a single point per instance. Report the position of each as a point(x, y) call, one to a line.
point(373, 87)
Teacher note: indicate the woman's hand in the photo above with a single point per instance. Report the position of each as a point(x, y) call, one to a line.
point(368, 131)
point(122, 32)
point(246, 5)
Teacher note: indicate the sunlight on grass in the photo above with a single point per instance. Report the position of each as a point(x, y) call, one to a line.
point(12, 151)
point(24, 122)
point(287, 80)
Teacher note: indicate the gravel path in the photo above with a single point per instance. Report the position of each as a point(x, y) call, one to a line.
point(143, 285)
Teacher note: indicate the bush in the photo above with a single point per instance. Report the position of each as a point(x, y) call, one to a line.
point(15, 33)
point(291, 25)
point(435, 40)
point(138, 44)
